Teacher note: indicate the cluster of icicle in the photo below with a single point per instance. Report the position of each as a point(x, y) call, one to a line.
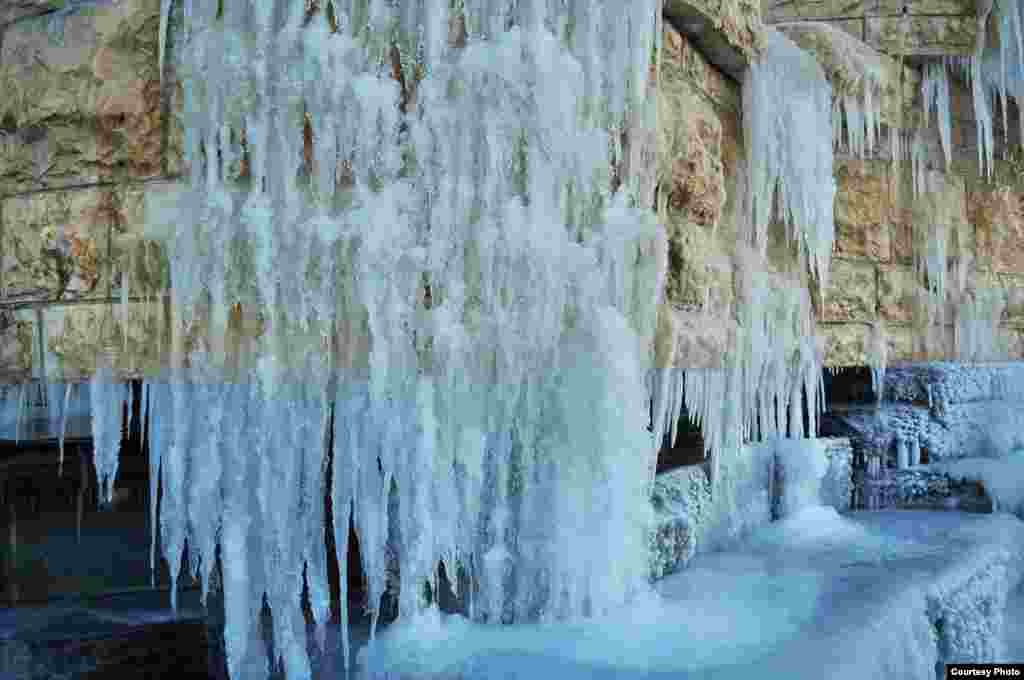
point(772, 371)
point(994, 72)
point(416, 205)
point(790, 150)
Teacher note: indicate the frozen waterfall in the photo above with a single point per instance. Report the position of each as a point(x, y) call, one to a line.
point(433, 224)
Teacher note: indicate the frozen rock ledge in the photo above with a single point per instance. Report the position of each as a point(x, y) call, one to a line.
point(817, 595)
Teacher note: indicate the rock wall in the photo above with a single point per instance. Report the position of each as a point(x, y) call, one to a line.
point(84, 136)
point(918, 27)
point(877, 278)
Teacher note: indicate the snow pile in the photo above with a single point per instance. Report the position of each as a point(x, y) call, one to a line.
point(451, 200)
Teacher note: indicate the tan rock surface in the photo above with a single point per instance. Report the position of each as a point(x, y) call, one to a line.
point(81, 98)
point(863, 210)
point(852, 292)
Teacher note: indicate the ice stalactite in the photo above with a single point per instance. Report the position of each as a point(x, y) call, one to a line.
point(790, 155)
point(21, 412)
point(877, 350)
point(418, 218)
point(932, 236)
point(773, 366)
point(861, 117)
point(64, 425)
point(106, 397)
point(935, 95)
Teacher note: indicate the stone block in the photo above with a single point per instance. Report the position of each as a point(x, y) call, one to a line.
point(16, 335)
point(134, 336)
point(923, 35)
point(795, 10)
point(56, 245)
point(852, 293)
point(862, 210)
point(729, 31)
point(897, 290)
point(844, 343)
point(81, 100)
point(998, 219)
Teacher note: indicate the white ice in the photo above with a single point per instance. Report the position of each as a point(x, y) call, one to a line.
point(488, 297)
point(816, 595)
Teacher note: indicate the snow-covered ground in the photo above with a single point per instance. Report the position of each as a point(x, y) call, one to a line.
point(817, 595)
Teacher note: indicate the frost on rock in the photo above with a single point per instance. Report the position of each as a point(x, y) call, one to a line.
point(106, 397)
point(445, 238)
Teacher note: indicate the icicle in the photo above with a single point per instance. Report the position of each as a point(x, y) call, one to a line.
point(436, 188)
point(877, 355)
point(918, 162)
point(935, 94)
point(21, 412)
point(64, 426)
point(801, 172)
point(129, 398)
point(982, 116)
point(106, 399)
point(165, 16)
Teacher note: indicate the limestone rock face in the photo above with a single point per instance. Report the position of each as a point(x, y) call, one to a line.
point(914, 27)
point(737, 21)
point(81, 97)
point(998, 217)
point(863, 210)
point(698, 156)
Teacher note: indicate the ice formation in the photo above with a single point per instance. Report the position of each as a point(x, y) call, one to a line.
point(454, 204)
point(877, 350)
point(934, 235)
point(978, 315)
point(772, 371)
point(107, 398)
point(935, 95)
point(790, 154)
